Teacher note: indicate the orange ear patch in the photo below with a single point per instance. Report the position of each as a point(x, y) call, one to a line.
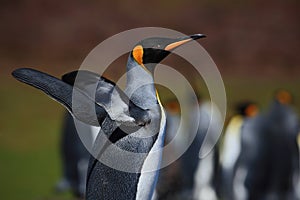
point(251, 110)
point(137, 53)
point(172, 106)
point(284, 97)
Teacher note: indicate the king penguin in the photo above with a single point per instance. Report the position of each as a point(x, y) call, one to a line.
point(231, 149)
point(132, 121)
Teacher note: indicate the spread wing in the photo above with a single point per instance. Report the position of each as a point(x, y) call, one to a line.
point(109, 96)
point(77, 97)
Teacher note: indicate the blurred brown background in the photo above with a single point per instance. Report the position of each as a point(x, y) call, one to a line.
point(260, 38)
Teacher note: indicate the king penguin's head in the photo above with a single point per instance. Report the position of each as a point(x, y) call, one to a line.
point(151, 51)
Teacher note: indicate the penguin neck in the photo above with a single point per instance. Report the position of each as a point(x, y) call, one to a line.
point(140, 85)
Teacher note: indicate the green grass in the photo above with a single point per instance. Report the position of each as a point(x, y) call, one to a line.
point(29, 140)
point(30, 126)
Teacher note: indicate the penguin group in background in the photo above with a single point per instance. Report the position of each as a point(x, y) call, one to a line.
point(75, 156)
point(189, 177)
point(267, 166)
point(135, 124)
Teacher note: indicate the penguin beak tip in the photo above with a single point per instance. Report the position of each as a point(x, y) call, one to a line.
point(197, 36)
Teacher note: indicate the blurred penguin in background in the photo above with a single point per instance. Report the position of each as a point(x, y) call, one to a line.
point(75, 156)
point(169, 182)
point(188, 177)
point(208, 134)
point(284, 128)
point(268, 165)
point(231, 146)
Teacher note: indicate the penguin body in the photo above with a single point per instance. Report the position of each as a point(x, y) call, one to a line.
point(283, 154)
point(231, 150)
point(132, 122)
point(134, 141)
point(251, 165)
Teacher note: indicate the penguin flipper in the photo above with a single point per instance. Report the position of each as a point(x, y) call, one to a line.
point(83, 108)
point(109, 96)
